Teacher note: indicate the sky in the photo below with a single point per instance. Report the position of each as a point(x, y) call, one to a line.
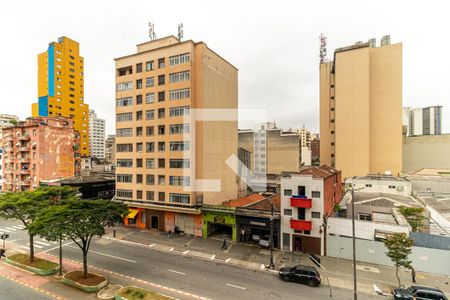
point(274, 44)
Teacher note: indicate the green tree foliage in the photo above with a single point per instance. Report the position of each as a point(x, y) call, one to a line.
point(414, 216)
point(79, 221)
point(399, 247)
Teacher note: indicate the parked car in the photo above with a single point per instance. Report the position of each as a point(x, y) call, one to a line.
point(256, 237)
point(264, 241)
point(419, 292)
point(301, 274)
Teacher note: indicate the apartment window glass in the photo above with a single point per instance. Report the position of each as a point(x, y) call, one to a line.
point(124, 132)
point(150, 147)
point(150, 179)
point(125, 163)
point(124, 86)
point(179, 111)
point(161, 63)
point(124, 178)
point(149, 66)
point(139, 84)
point(161, 163)
point(161, 113)
point(288, 212)
point(139, 68)
point(179, 146)
point(161, 146)
point(149, 98)
point(179, 128)
point(161, 96)
point(161, 130)
point(150, 163)
point(138, 162)
point(138, 178)
point(149, 130)
point(179, 163)
point(150, 195)
point(149, 82)
point(161, 79)
point(139, 115)
point(139, 147)
point(124, 117)
point(124, 101)
point(288, 192)
point(139, 196)
point(124, 148)
point(179, 180)
point(179, 198)
point(364, 217)
point(124, 193)
point(150, 114)
point(315, 215)
point(161, 179)
point(138, 99)
point(139, 131)
point(315, 194)
point(162, 196)
point(179, 94)
point(179, 59)
point(178, 77)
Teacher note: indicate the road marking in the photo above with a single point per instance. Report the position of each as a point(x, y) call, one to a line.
point(262, 267)
point(42, 243)
point(171, 249)
point(10, 228)
point(236, 286)
point(108, 255)
point(212, 257)
point(57, 247)
point(17, 227)
point(177, 272)
point(37, 246)
point(151, 245)
point(227, 260)
point(25, 247)
point(3, 229)
point(186, 252)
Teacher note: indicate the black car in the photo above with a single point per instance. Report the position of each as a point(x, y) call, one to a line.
point(301, 274)
point(419, 292)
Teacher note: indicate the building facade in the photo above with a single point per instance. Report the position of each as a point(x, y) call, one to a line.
point(361, 109)
point(61, 87)
point(5, 121)
point(308, 198)
point(40, 148)
point(422, 121)
point(426, 152)
point(315, 150)
point(380, 184)
point(110, 149)
point(96, 135)
point(164, 156)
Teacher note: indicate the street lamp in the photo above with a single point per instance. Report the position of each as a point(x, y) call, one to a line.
point(355, 295)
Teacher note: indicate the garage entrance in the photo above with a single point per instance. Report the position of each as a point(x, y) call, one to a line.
point(185, 223)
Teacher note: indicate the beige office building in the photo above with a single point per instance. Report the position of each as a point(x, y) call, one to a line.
point(361, 109)
point(162, 155)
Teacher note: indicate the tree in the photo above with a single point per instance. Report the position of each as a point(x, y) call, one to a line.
point(26, 206)
point(414, 216)
point(80, 221)
point(399, 247)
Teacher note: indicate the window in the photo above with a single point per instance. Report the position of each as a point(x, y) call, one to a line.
point(139, 147)
point(161, 79)
point(138, 178)
point(139, 196)
point(138, 162)
point(139, 84)
point(124, 178)
point(179, 146)
point(138, 99)
point(161, 113)
point(364, 217)
point(149, 82)
point(301, 190)
point(149, 66)
point(161, 96)
point(149, 130)
point(392, 186)
point(161, 63)
point(150, 114)
point(123, 132)
point(150, 147)
point(179, 128)
point(161, 179)
point(150, 163)
point(125, 193)
point(139, 131)
point(315, 215)
point(315, 194)
point(149, 98)
point(162, 196)
point(179, 163)
point(179, 180)
point(125, 163)
point(124, 117)
point(124, 101)
point(124, 86)
point(288, 192)
point(179, 111)
point(150, 195)
point(139, 68)
point(124, 147)
point(150, 179)
point(179, 59)
point(179, 94)
point(178, 77)
point(179, 198)
point(161, 163)
point(288, 212)
point(368, 185)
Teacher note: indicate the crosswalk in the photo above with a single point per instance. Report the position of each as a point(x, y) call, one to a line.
point(38, 243)
point(11, 229)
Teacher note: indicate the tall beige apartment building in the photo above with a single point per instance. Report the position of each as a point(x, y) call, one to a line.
point(361, 109)
point(163, 156)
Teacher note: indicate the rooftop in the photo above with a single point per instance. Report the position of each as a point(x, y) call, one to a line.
point(379, 177)
point(323, 171)
point(381, 200)
point(256, 202)
point(440, 202)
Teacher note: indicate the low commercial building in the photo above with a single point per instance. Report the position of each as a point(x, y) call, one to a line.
point(380, 184)
point(438, 207)
point(308, 198)
point(40, 148)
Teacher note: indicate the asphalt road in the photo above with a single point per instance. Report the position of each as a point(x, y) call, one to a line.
point(204, 278)
point(9, 290)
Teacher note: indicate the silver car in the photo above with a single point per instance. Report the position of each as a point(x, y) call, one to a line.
point(265, 241)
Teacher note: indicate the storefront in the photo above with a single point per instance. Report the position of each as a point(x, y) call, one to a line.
point(248, 225)
point(219, 220)
point(186, 223)
point(136, 218)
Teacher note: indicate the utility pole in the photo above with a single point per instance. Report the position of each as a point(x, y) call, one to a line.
point(355, 295)
point(271, 264)
point(60, 236)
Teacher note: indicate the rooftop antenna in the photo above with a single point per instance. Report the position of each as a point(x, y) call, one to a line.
point(323, 48)
point(151, 31)
point(180, 31)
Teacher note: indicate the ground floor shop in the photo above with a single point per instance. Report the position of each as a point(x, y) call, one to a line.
point(219, 223)
point(248, 226)
point(302, 243)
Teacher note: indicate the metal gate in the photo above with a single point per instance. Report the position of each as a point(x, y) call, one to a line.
point(185, 223)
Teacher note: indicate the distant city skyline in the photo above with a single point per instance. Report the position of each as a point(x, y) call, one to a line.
point(277, 54)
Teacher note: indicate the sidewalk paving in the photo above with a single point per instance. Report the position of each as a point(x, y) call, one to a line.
point(252, 256)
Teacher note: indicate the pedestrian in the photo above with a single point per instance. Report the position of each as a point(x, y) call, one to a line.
point(224, 245)
point(242, 235)
point(170, 233)
point(413, 275)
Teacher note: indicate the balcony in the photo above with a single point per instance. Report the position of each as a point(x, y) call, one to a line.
point(8, 139)
point(25, 183)
point(24, 149)
point(24, 160)
point(301, 225)
point(25, 171)
point(296, 201)
point(24, 137)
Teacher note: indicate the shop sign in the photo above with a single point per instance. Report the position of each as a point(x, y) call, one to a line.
point(257, 223)
point(219, 219)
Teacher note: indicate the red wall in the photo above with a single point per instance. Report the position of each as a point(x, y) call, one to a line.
point(332, 192)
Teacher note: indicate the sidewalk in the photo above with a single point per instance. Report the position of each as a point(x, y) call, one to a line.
point(252, 256)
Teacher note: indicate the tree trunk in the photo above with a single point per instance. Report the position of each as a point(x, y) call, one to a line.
point(85, 267)
point(398, 278)
point(31, 248)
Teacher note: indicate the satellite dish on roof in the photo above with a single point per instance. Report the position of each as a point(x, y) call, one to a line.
point(387, 172)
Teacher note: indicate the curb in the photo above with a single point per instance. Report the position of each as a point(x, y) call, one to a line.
point(32, 269)
point(82, 287)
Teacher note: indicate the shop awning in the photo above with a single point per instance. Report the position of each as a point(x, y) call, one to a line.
point(132, 213)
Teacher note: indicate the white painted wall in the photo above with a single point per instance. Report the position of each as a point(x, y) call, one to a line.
point(402, 187)
point(306, 156)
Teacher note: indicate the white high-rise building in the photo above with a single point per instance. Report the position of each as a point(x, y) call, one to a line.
point(96, 135)
point(422, 121)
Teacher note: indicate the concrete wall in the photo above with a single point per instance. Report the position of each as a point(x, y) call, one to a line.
point(423, 259)
point(430, 241)
point(426, 151)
